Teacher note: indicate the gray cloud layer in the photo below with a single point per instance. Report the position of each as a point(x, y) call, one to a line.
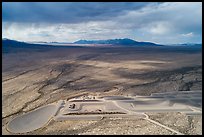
point(156, 22)
point(65, 12)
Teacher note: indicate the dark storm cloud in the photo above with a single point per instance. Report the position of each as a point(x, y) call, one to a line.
point(65, 12)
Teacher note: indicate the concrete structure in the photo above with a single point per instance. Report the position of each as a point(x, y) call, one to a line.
point(95, 108)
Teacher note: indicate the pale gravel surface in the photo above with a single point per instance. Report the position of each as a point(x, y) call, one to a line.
point(190, 125)
point(106, 126)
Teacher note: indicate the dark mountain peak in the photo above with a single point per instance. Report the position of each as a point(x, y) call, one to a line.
point(7, 42)
point(122, 41)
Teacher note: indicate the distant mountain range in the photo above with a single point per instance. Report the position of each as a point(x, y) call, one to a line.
point(124, 41)
point(17, 46)
point(187, 44)
point(7, 43)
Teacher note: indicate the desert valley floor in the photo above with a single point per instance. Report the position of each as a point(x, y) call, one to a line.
point(33, 78)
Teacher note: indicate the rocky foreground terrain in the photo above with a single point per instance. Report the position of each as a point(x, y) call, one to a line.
point(31, 79)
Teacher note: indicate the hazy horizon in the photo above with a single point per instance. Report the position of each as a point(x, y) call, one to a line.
point(33, 41)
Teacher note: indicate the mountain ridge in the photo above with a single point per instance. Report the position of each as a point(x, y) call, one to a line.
point(124, 41)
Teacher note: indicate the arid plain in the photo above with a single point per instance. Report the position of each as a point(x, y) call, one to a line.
point(35, 77)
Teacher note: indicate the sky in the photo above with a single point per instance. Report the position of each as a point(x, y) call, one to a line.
point(163, 23)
